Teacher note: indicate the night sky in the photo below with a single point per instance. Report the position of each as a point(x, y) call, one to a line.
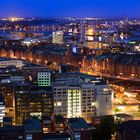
point(74, 8)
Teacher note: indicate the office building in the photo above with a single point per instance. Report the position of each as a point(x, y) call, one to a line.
point(58, 37)
point(74, 102)
point(32, 101)
point(81, 95)
point(129, 130)
point(59, 124)
point(9, 62)
point(44, 79)
point(2, 109)
point(79, 129)
point(33, 129)
point(7, 90)
point(47, 124)
point(12, 133)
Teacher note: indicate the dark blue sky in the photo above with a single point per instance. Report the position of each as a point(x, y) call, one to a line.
point(76, 8)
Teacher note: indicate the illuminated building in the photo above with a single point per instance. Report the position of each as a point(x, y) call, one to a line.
point(31, 72)
point(7, 91)
point(2, 109)
point(47, 124)
point(59, 124)
point(116, 49)
point(122, 36)
point(44, 79)
point(74, 102)
point(13, 19)
point(122, 117)
point(90, 31)
point(58, 37)
point(60, 100)
point(17, 35)
point(79, 129)
point(115, 37)
point(117, 64)
point(28, 42)
point(32, 101)
point(89, 38)
point(10, 62)
point(88, 100)
point(137, 48)
point(79, 95)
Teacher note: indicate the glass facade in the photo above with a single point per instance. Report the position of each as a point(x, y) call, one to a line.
point(32, 103)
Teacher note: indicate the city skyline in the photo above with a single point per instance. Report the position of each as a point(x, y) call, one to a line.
point(69, 8)
point(69, 69)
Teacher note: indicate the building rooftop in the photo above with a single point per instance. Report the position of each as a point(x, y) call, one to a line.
point(46, 117)
point(123, 115)
point(54, 136)
point(77, 79)
point(32, 124)
point(11, 128)
point(133, 125)
point(121, 58)
point(78, 123)
point(7, 119)
point(59, 119)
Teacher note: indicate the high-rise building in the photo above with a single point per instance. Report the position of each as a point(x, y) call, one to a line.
point(2, 109)
point(80, 95)
point(74, 101)
point(79, 129)
point(32, 101)
point(58, 37)
point(7, 90)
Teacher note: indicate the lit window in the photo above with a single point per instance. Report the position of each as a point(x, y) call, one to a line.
point(59, 103)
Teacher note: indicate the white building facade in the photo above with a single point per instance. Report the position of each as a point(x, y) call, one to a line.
point(81, 99)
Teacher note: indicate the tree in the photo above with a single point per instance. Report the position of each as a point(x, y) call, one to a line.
point(106, 128)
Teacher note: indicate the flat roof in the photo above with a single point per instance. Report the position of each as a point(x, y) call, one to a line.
point(80, 123)
point(54, 136)
point(123, 115)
